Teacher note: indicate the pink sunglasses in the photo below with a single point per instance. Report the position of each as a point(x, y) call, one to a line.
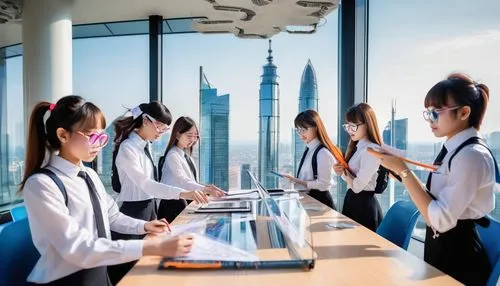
point(99, 139)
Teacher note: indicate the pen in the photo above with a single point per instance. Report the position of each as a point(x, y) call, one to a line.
point(168, 225)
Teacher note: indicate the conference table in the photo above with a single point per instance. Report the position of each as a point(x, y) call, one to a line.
point(345, 254)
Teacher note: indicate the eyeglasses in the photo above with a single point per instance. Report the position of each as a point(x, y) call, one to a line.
point(156, 124)
point(353, 127)
point(98, 140)
point(192, 136)
point(432, 115)
point(301, 130)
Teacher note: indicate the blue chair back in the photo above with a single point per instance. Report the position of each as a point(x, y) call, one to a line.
point(490, 238)
point(19, 255)
point(19, 213)
point(398, 223)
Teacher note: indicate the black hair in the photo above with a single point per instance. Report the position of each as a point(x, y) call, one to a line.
point(71, 113)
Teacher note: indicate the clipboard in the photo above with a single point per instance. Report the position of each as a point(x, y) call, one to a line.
point(379, 154)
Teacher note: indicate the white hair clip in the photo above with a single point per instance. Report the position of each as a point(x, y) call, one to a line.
point(136, 112)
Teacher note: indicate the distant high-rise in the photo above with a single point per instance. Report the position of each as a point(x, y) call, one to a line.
point(397, 128)
point(214, 135)
point(245, 180)
point(400, 131)
point(269, 123)
point(308, 99)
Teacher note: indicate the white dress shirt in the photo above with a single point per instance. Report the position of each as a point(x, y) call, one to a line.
point(136, 173)
point(66, 237)
point(325, 162)
point(466, 191)
point(176, 171)
point(365, 166)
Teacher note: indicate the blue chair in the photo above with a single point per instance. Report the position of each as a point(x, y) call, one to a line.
point(490, 237)
point(19, 213)
point(19, 255)
point(398, 223)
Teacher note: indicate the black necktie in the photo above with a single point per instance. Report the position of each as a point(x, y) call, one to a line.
point(191, 165)
point(101, 231)
point(302, 161)
point(437, 162)
point(155, 171)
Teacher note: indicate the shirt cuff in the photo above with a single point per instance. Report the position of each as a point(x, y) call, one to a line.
point(434, 213)
point(132, 249)
point(141, 227)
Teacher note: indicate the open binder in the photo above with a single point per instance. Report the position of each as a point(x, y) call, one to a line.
point(275, 236)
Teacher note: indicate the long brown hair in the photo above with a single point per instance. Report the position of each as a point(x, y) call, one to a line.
point(311, 118)
point(181, 126)
point(71, 113)
point(362, 113)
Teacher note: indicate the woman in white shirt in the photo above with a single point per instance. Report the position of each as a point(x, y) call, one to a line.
point(71, 228)
point(360, 203)
point(135, 174)
point(178, 168)
point(461, 192)
point(315, 169)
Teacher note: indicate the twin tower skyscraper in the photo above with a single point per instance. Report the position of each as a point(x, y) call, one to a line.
point(269, 117)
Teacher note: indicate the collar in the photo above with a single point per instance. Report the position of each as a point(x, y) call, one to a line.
point(137, 140)
point(313, 144)
point(459, 138)
point(65, 166)
point(362, 143)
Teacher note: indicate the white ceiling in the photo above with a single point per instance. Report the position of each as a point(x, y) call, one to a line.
point(269, 16)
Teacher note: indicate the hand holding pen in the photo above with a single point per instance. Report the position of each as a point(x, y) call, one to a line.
point(157, 226)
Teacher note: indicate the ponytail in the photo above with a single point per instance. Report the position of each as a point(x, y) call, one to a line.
point(37, 141)
point(70, 113)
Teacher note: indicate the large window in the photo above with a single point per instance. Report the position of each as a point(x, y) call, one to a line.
point(12, 139)
point(412, 46)
point(232, 69)
point(113, 73)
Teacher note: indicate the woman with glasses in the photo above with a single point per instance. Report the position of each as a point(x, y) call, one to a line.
point(315, 168)
point(178, 168)
point(135, 176)
point(461, 192)
point(70, 214)
point(360, 203)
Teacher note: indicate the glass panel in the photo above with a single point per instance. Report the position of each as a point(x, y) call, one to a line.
point(112, 73)
point(12, 138)
point(239, 69)
point(129, 28)
point(180, 25)
point(407, 59)
point(86, 31)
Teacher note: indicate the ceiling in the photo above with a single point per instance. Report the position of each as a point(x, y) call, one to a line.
point(243, 18)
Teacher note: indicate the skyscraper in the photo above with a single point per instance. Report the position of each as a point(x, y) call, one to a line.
point(245, 180)
point(400, 133)
point(308, 99)
point(269, 123)
point(214, 135)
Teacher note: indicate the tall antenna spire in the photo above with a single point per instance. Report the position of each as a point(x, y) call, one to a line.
point(270, 51)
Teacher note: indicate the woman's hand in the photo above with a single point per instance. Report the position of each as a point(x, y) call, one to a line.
point(156, 226)
point(214, 191)
point(339, 169)
point(197, 196)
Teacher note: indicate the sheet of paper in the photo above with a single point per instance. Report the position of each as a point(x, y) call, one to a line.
point(238, 195)
point(205, 248)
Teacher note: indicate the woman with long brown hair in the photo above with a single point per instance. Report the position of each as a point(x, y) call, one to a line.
point(315, 168)
point(360, 203)
point(177, 167)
